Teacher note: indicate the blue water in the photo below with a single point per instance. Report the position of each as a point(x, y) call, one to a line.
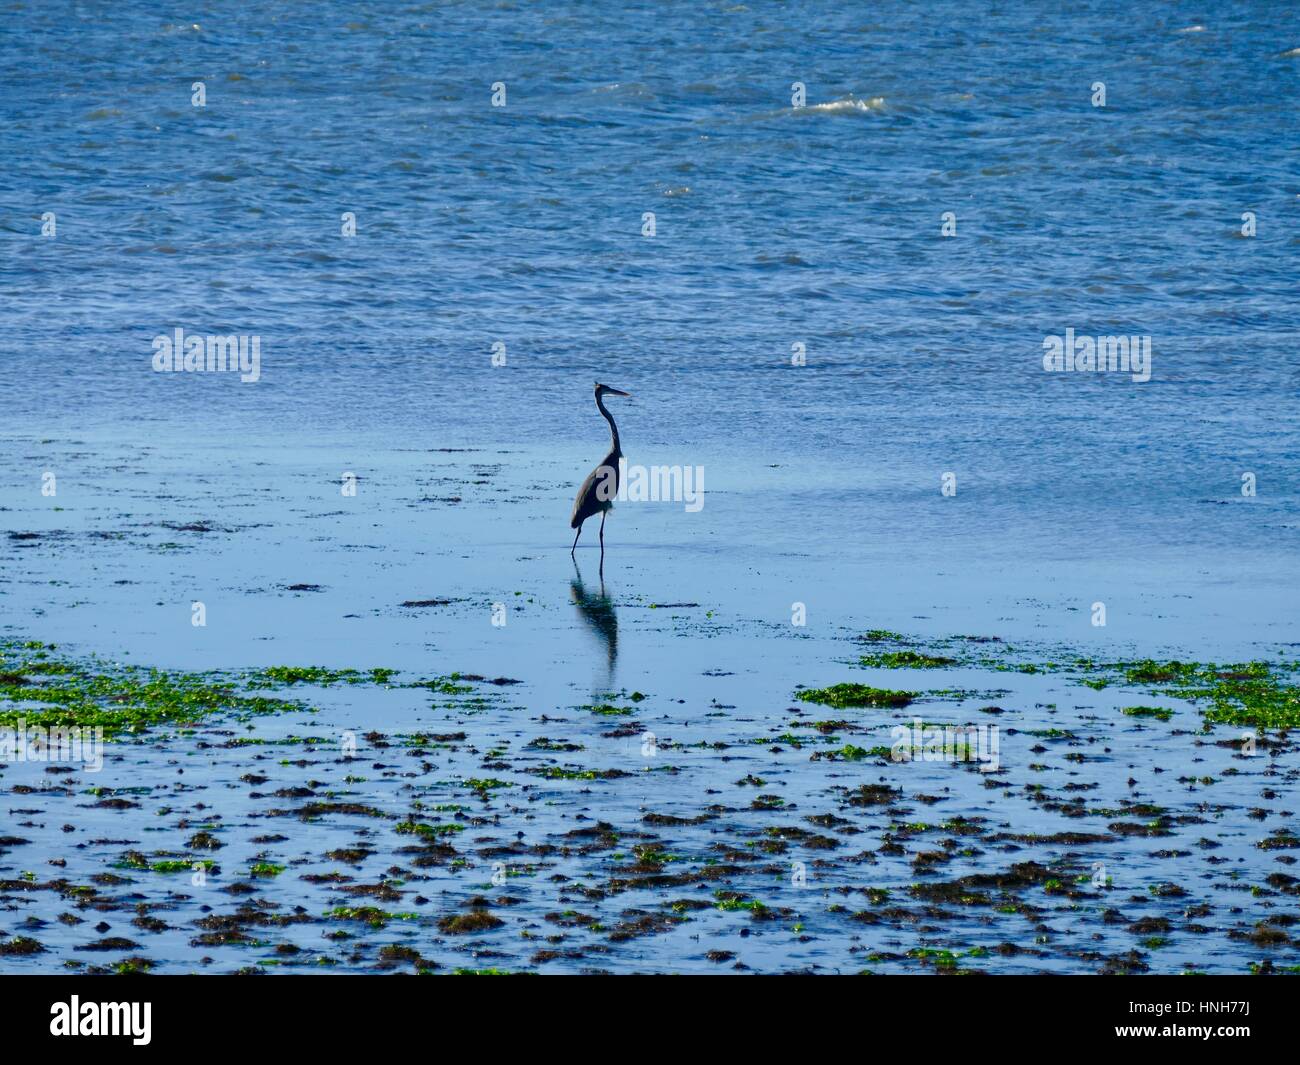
point(774, 226)
point(522, 225)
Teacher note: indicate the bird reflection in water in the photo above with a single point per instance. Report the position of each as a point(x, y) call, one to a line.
point(597, 610)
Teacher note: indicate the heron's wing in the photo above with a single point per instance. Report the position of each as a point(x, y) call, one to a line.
point(588, 501)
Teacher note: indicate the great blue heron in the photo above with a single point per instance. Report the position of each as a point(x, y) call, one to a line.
point(597, 491)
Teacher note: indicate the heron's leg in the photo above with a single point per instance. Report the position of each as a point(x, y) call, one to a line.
point(575, 542)
point(602, 532)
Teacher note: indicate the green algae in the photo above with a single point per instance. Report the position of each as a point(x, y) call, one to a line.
point(371, 915)
point(1280, 839)
point(483, 785)
point(788, 739)
point(115, 698)
point(906, 660)
point(433, 740)
point(851, 753)
point(728, 903)
point(1257, 694)
point(556, 772)
point(840, 696)
point(1148, 671)
point(319, 676)
point(414, 828)
point(20, 946)
point(1159, 712)
point(544, 743)
point(450, 685)
point(136, 861)
point(462, 924)
point(941, 959)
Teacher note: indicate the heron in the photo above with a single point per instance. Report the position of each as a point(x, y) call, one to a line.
point(598, 490)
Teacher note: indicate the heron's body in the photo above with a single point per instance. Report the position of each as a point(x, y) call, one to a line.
point(588, 501)
point(596, 496)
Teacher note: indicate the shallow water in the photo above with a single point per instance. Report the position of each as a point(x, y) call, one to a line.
point(775, 226)
point(735, 755)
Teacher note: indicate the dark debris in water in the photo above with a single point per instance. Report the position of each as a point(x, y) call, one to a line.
point(469, 834)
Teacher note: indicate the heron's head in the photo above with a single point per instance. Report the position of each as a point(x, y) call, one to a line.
point(605, 390)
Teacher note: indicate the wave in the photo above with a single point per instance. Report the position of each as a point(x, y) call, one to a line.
point(847, 106)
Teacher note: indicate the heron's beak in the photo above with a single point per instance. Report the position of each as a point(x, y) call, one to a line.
point(616, 392)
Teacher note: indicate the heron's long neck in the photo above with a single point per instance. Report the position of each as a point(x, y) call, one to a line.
point(613, 429)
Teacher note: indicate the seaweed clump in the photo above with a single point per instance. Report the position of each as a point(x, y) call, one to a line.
point(846, 695)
